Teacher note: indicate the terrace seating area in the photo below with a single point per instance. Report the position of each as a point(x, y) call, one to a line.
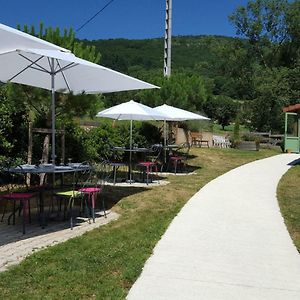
point(76, 192)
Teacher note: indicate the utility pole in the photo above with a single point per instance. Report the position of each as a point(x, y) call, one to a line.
point(168, 37)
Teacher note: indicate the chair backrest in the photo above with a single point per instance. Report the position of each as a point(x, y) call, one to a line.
point(219, 140)
point(184, 148)
point(13, 180)
point(115, 155)
point(99, 175)
point(156, 154)
point(196, 135)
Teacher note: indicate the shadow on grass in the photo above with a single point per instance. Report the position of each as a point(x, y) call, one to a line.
point(55, 218)
point(113, 194)
point(182, 168)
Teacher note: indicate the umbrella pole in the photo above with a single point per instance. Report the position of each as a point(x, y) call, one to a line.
point(165, 140)
point(53, 110)
point(130, 153)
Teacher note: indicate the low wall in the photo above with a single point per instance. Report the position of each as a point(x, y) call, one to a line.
point(248, 145)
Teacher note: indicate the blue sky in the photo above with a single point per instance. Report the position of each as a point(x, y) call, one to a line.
point(133, 19)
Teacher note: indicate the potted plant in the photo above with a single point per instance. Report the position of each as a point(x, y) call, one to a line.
point(249, 142)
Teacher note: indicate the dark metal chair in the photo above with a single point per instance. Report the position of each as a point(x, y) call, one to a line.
point(152, 162)
point(179, 157)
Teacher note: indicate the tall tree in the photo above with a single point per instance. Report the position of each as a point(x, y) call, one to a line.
point(272, 28)
point(222, 109)
point(12, 114)
point(263, 23)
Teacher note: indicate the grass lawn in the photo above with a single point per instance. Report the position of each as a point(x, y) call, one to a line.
point(289, 200)
point(217, 129)
point(104, 263)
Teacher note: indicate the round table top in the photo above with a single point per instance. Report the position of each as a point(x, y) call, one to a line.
point(134, 149)
point(49, 168)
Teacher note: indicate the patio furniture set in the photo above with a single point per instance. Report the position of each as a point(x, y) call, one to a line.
point(145, 162)
point(28, 60)
point(220, 141)
point(86, 181)
point(20, 194)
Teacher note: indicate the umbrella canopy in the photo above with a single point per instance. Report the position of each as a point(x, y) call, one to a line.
point(177, 114)
point(72, 74)
point(62, 71)
point(13, 39)
point(131, 110)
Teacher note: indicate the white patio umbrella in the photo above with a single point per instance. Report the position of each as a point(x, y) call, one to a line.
point(61, 71)
point(131, 110)
point(172, 113)
point(177, 114)
point(11, 39)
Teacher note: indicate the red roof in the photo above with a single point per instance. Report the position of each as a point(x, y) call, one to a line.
point(291, 108)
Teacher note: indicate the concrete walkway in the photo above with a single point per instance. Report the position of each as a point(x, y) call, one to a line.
point(228, 242)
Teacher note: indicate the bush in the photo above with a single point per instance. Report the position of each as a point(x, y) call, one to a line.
point(96, 144)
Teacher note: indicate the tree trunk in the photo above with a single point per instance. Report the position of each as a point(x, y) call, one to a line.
point(187, 136)
point(45, 155)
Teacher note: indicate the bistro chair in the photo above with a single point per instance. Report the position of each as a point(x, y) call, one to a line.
point(117, 163)
point(179, 157)
point(68, 198)
point(99, 177)
point(19, 194)
point(152, 162)
point(85, 192)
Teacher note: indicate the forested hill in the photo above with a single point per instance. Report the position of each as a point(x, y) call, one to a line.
point(188, 52)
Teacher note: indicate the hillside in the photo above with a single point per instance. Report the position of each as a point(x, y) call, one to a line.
point(196, 53)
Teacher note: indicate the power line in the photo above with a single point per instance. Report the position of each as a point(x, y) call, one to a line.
point(95, 15)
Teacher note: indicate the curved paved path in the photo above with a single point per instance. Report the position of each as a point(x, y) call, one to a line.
point(228, 242)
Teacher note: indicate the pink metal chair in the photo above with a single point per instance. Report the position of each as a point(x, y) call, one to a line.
point(88, 192)
point(17, 196)
point(152, 162)
point(178, 159)
point(98, 178)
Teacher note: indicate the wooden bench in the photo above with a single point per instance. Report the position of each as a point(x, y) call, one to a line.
point(197, 140)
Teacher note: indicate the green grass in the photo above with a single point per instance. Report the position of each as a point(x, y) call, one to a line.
point(289, 200)
point(104, 263)
point(217, 129)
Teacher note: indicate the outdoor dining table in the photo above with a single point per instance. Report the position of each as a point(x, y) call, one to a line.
point(171, 147)
point(48, 169)
point(169, 150)
point(132, 150)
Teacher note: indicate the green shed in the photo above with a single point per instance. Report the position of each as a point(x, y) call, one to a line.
point(292, 128)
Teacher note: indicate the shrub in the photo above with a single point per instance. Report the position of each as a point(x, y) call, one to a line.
point(96, 144)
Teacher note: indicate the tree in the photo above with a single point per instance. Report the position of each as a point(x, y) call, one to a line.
point(234, 69)
point(12, 115)
point(272, 28)
point(272, 94)
point(222, 109)
point(263, 23)
point(182, 89)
